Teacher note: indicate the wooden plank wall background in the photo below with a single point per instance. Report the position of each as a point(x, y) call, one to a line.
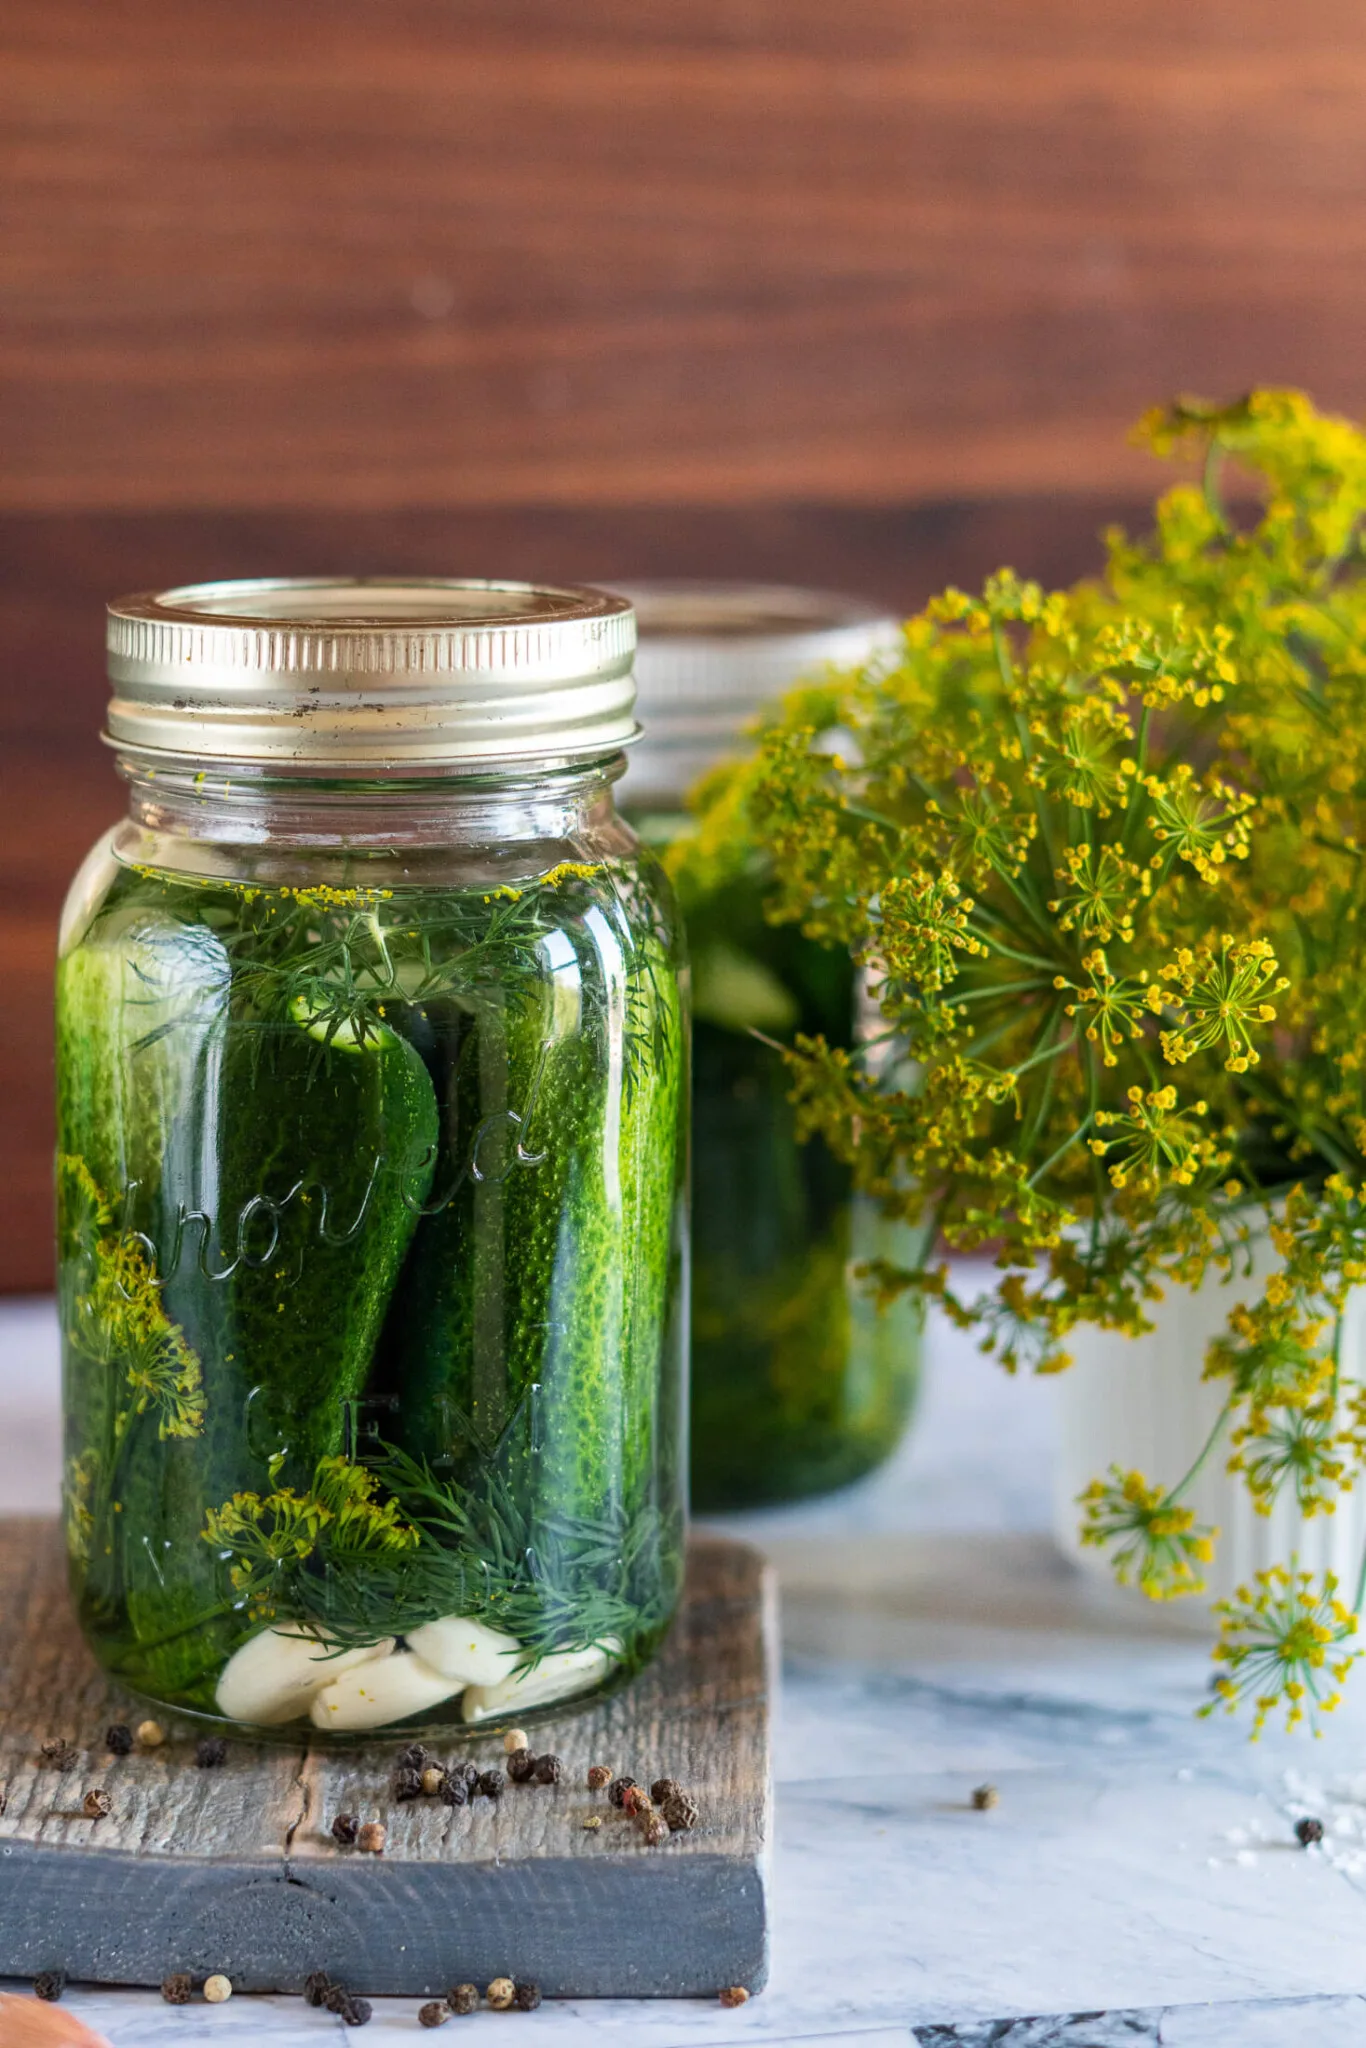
point(863, 295)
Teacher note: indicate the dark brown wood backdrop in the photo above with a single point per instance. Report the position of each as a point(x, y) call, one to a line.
point(863, 294)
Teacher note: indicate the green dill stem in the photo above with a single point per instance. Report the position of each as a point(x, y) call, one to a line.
point(1000, 988)
point(1210, 480)
point(1045, 1102)
point(1047, 1052)
point(1080, 1132)
point(1210, 1441)
point(989, 938)
point(1138, 792)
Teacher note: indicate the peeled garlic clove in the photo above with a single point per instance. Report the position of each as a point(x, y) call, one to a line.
point(378, 1693)
point(273, 1677)
point(557, 1677)
point(466, 1650)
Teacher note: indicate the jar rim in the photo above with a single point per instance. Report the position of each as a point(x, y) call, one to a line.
point(371, 673)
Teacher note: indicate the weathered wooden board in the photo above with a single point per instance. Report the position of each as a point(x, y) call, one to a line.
point(235, 1869)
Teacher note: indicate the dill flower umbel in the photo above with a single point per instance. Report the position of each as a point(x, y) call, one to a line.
point(1282, 1647)
point(1101, 854)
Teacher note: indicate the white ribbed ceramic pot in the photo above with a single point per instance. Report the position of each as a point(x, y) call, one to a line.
point(1141, 1403)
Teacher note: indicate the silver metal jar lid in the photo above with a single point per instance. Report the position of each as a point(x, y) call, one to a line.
point(355, 675)
point(711, 655)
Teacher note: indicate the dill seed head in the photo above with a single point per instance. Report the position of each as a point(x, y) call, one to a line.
point(210, 1751)
point(49, 1985)
point(514, 1739)
point(985, 1797)
point(522, 1767)
point(1308, 1831)
point(97, 1804)
point(454, 1790)
point(734, 1994)
point(118, 1739)
point(150, 1734)
point(599, 1777)
point(372, 1838)
point(549, 1770)
point(618, 1789)
point(526, 1997)
point(491, 1784)
point(433, 1779)
point(681, 1811)
point(501, 1993)
point(177, 1989)
point(218, 1988)
point(415, 1757)
point(462, 1999)
point(434, 2014)
point(654, 1828)
point(407, 1785)
point(317, 1984)
point(345, 1828)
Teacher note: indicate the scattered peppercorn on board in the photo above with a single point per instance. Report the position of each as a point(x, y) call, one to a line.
point(234, 1868)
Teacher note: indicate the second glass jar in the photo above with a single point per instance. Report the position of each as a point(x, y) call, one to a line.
point(800, 1384)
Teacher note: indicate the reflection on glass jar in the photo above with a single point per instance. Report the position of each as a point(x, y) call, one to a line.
point(372, 1089)
point(799, 1383)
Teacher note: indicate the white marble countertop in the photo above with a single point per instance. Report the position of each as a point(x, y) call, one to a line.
point(1139, 1882)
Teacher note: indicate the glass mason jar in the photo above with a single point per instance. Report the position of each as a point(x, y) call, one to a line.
point(372, 1074)
point(799, 1383)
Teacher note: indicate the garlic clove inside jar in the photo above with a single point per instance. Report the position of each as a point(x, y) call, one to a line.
point(557, 1677)
point(375, 1694)
point(274, 1677)
point(467, 1651)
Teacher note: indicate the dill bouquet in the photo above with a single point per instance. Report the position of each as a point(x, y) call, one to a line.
point(1102, 854)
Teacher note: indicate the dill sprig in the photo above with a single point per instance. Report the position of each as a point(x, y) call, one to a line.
point(432, 1547)
point(1101, 853)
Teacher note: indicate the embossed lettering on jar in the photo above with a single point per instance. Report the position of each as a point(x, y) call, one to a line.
point(372, 1072)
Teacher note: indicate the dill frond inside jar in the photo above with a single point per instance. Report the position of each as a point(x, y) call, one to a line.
point(372, 1099)
point(800, 1384)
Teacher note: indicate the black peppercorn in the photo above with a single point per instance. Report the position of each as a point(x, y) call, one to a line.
point(471, 1774)
point(527, 1997)
point(210, 1751)
point(317, 1984)
point(345, 1828)
point(549, 1770)
point(462, 1998)
point(455, 1791)
point(618, 1789)
point(58, 1753)
point(522, 1767)
point(49, 1985)
point(357, 2012)
point(681, 1811)
point(434, 2014)
point(1308, 1831)
point(415, 1757)
point(407, 1785)
point(491, 1784)
point(335, 1996)
point(118, 1739)
point(664, 1788)
point(177, 1989)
